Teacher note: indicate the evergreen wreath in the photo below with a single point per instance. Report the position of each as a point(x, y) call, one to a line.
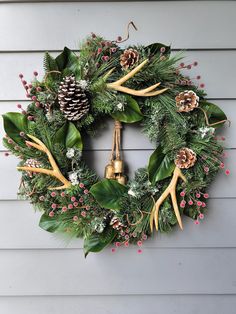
point(79, 92)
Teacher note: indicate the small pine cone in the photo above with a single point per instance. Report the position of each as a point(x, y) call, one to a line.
point(72, 98)
point(116, 223)
point(186, 101)
point(185, 158)
point(32, 163)
point(129, 58)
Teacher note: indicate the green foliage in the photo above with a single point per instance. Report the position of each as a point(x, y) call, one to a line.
point(69, 136)
point(131, 112)
point(160, 166)
point(108, 193)
point(49, 63)
point(214, 113)
point(96, 242)
point(50, 224)
point(14, 123)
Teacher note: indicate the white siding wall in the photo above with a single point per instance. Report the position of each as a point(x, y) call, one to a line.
point(184, 272)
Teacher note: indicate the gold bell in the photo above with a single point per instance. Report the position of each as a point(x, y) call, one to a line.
point(118, 165)
point(121, 179)
point(109, 172)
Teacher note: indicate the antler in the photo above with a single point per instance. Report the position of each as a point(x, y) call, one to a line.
point(54, 172)
point(170, 190)
point(146, 92)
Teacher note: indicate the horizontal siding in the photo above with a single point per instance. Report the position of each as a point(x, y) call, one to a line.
point(222, 187)
point(184, 304)
point(211, 63)
point(24, 221)
point(156, 271)
point(212, 21)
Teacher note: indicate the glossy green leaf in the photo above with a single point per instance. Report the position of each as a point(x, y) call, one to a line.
point(14, 123)
point(69, 136)
point(98, 241)
point(154, 49)
point(214, 113)
point(160, 166)
point(131, 112)
point(108, 193)
point(65, 59)
point(50, 224)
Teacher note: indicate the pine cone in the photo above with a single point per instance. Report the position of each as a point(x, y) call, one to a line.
point(129, 58)
point(73, 100)
point(32, 163)
point(116, 223)
point(185, 158)
point(186, 101)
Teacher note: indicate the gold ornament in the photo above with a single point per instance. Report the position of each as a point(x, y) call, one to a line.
point(121, 179)
point(109, 171)
point(118, 166)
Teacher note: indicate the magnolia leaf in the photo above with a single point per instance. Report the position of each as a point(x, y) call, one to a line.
point(108, 193)
point(214, 113)
point(14, 123)
point(69, 136)
point(155, 49)
point(131, 112)
point(160, 166)
point(65, 59)
point(98, 241)
point(50, 224)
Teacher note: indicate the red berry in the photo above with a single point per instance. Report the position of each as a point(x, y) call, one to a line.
point(75, 218)
point(21, 75)
point(19, 106)
point(182, 193)
point(35, 73)
point(51, 214)
point(119, 38)
point(206, 195)
point(195, 63)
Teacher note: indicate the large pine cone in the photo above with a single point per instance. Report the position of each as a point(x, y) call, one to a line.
point(116, 223)
point(72, 98)
point(32, 163)
point(186, 101)
point(129, 58)
point(185, 158)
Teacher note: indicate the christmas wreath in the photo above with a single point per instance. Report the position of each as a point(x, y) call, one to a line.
point(79, 93)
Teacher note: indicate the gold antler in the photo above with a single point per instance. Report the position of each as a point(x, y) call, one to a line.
point(170, 190)
point(54, 172)
point(117, 85)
